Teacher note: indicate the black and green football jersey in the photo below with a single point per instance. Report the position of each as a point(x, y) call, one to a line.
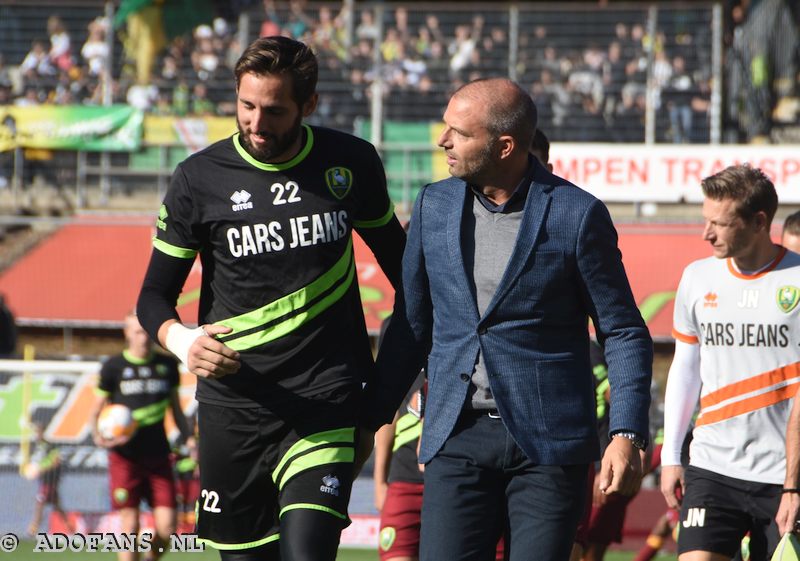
point(408, 430)
point(145, 386)
point(276, 249)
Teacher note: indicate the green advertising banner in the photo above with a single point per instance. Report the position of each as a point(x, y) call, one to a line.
point(72, 127)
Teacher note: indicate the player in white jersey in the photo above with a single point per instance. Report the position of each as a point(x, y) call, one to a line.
point(737, 349)
point(789, 510)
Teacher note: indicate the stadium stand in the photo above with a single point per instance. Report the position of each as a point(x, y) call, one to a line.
point(593, 72)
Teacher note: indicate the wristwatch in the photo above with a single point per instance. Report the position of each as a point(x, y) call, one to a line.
point(636, 440)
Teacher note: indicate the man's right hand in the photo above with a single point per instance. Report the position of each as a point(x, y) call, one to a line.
point(199, 350)
point(208, 358)
point(672, 485)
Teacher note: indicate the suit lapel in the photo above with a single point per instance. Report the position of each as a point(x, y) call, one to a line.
point(536, 205)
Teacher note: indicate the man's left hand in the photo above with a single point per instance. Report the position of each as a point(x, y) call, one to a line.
point(621, 469)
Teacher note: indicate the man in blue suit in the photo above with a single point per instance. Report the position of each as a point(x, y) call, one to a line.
point(504, 265)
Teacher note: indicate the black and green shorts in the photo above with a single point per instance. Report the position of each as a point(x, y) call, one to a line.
point(256, 464)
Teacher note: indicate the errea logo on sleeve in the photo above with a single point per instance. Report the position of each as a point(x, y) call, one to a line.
point(241, 201)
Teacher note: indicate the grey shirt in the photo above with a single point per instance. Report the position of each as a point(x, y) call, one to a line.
point(489, 236)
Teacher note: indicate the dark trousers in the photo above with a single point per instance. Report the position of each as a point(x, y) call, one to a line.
point(481, 478)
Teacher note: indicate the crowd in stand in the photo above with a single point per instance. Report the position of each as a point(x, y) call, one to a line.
point(586, 88)
point(58, 71)
point(599, 92)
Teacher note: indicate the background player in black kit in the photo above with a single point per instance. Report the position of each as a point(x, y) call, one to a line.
point(281, 350)
point(139, 466)
point(45, 465)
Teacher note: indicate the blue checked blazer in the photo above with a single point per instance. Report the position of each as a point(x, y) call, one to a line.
point(565, 267)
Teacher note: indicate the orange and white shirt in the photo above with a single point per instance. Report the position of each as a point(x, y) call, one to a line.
point(748, 331)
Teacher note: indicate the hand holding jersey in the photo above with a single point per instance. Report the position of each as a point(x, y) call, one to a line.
point(198, 350)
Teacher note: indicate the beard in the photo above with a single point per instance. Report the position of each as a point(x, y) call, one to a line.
point(472, 171)
point(276, 145)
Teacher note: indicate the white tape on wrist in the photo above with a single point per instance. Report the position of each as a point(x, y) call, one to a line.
point(180, 339)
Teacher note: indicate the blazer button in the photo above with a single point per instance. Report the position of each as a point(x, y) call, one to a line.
point(483, 331)
point(465, 377)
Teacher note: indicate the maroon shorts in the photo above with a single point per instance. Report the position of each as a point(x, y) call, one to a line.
point(150, 479)
point(607, 521)
point(188, 490)
point(400, 522)
point(47, 493)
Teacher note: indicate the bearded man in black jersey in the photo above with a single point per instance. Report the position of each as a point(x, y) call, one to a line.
point(281, 350)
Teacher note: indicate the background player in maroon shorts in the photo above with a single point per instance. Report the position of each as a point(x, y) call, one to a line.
point(139, 466)
point(187, 483)
point(399, 480)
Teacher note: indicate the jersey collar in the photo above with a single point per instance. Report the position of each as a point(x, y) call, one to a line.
point(136, 360)
point(758, 274)
point(301, 155)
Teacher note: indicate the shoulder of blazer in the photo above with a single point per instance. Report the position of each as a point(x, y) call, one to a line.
point(440, 192)
point(449, 183)
point(570, 192)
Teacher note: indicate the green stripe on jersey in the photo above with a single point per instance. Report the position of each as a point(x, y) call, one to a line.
point(600, 397)
point(174, 250)
point(332, 440)
point(276, 167)
point(408, 429)
point(151, 414)
point(282, 316)
point(378, 222)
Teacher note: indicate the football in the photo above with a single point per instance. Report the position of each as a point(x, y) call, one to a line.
point(115, 420)
point(30, 471)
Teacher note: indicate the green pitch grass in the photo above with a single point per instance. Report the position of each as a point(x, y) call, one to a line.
point(25, 553)
point(367, 555)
